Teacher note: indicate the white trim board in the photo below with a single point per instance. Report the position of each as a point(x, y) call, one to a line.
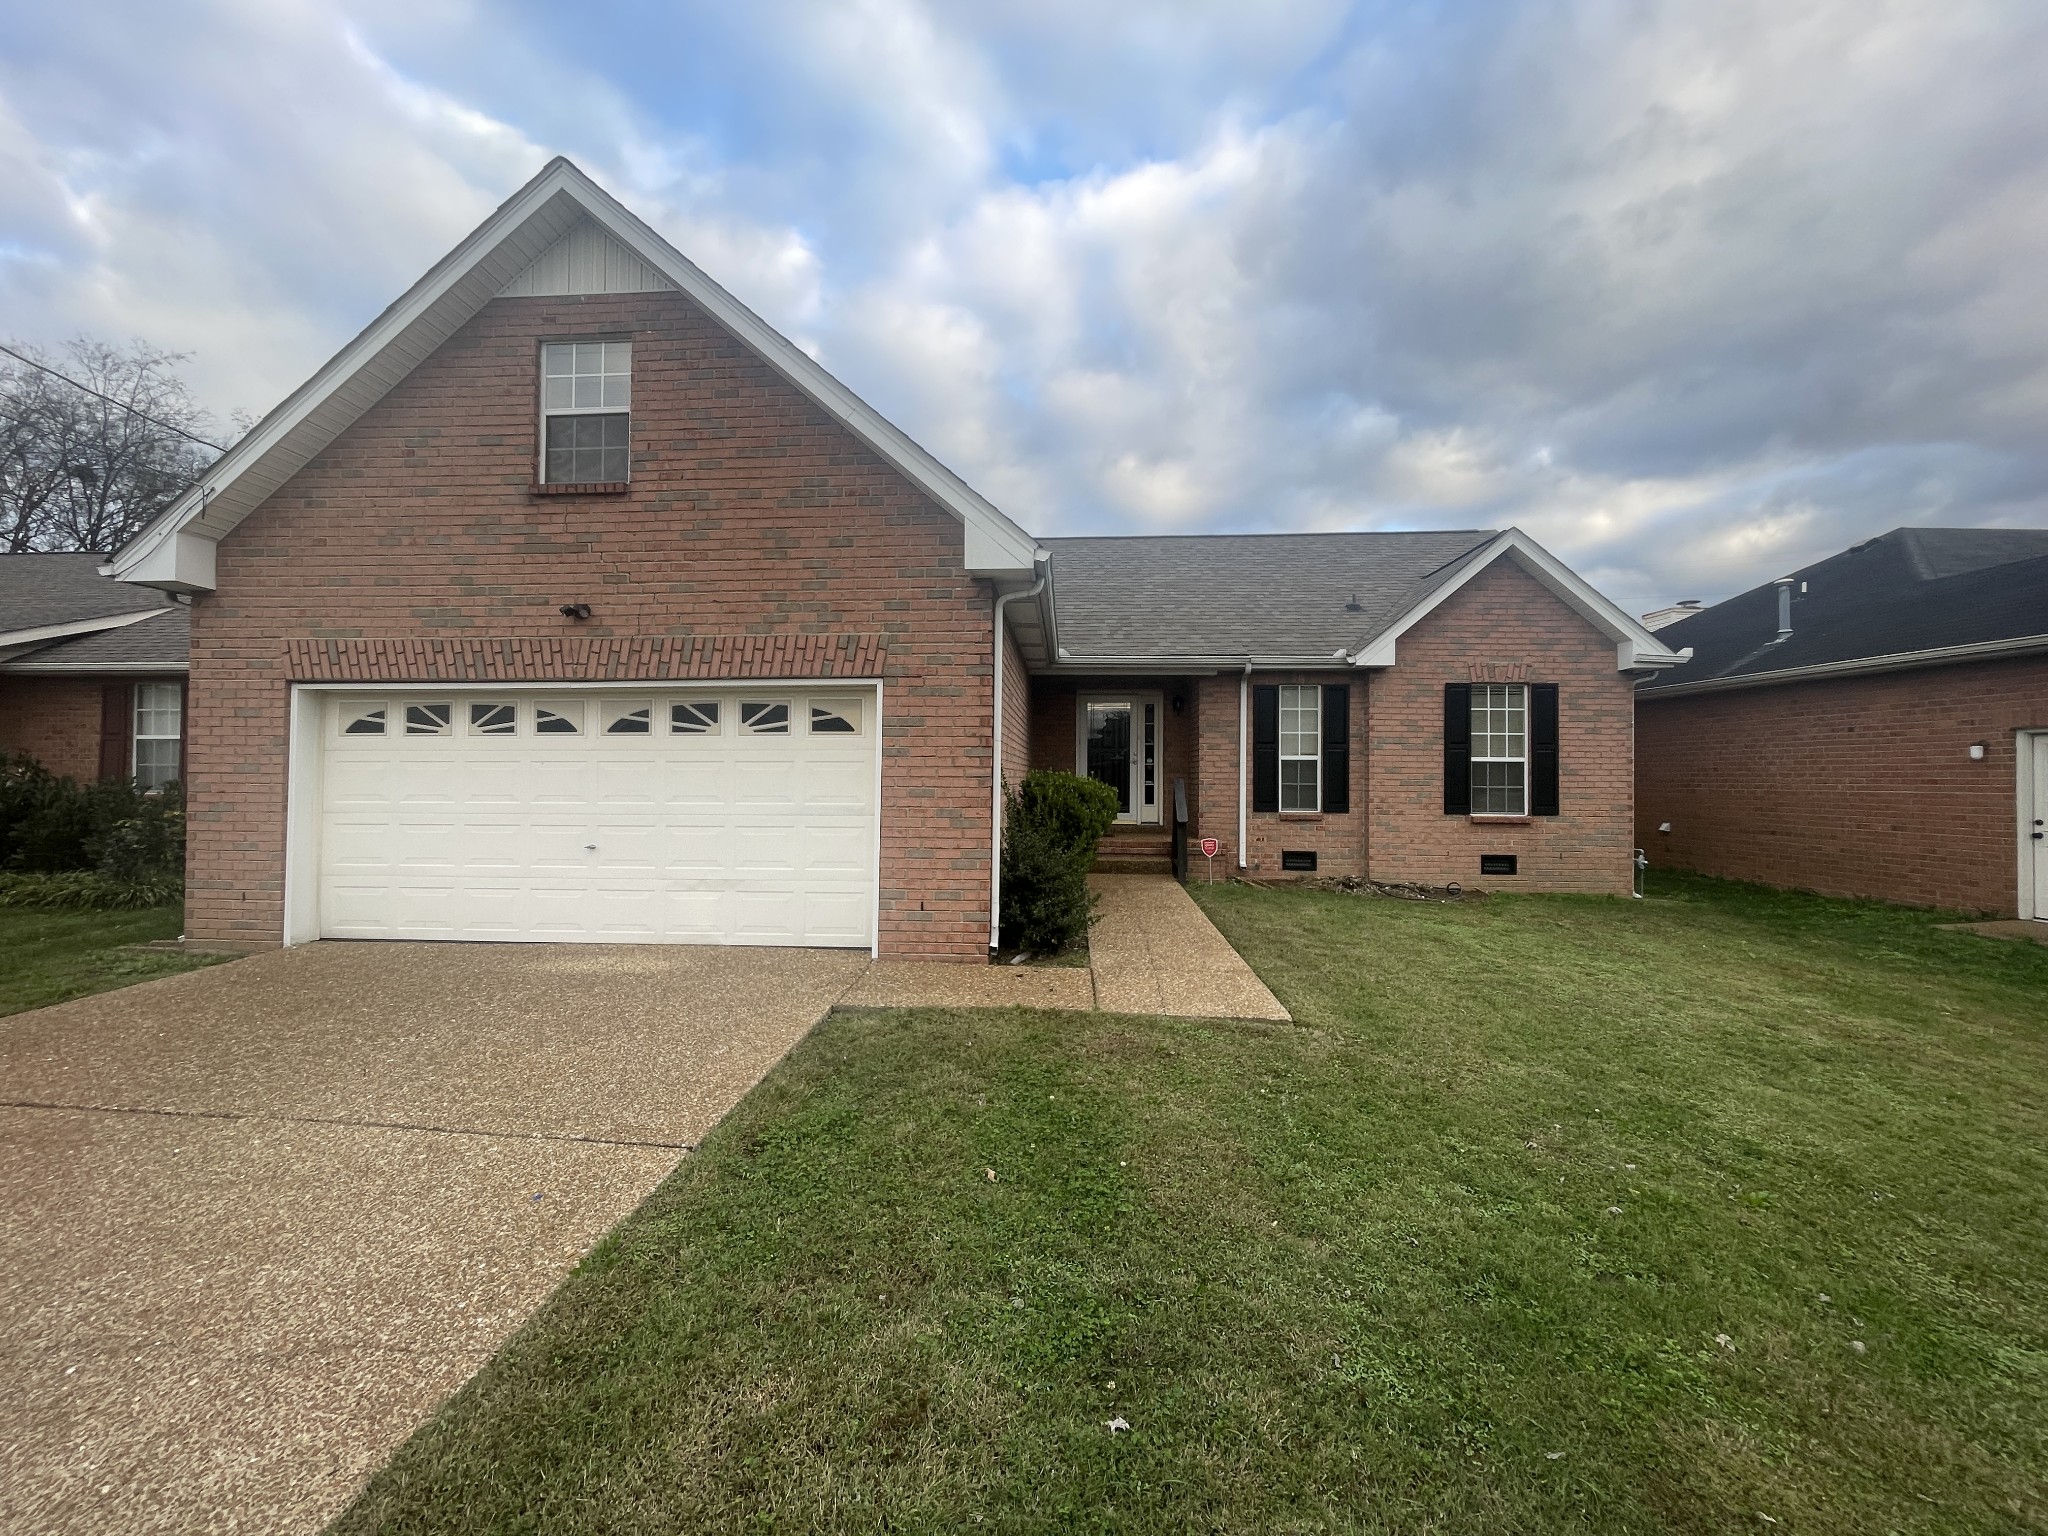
point(75, 627)
point(176, 552)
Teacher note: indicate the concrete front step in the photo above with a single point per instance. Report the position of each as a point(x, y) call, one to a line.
point(1133, 863)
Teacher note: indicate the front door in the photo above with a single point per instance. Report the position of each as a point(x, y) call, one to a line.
point(1119, 739)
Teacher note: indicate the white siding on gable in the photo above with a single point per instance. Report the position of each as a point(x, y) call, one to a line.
point(585, 260)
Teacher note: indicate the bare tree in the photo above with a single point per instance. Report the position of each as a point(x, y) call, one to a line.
point(88, 469)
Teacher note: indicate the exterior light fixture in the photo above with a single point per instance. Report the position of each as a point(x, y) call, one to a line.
point(1978, 749)
point(575, 610)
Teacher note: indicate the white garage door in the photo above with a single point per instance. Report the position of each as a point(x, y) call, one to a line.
point(734, 816)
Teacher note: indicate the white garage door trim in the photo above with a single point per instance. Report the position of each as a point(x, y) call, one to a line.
point(305, 784)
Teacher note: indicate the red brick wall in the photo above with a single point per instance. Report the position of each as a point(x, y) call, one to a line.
point(1337, 840)
point(1856, 787)
point(55, 720)
point(751, 513)
point(1016, 714)
point(1506, 626)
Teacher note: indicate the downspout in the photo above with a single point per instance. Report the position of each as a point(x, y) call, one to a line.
point(995, 832)
point(1244, 696)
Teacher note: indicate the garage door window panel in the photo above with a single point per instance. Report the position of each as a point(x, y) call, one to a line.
point(835, 718)
point(630, 717)
point(693, 717)
point(363, 719)
point(558, 717)
point(428, 719)
point(493, 719)
point(764, 719)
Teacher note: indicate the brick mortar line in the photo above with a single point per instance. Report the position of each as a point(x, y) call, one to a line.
point(368, 1125)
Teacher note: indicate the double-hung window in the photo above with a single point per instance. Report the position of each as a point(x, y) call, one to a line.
point(586, 398)
point(1500, 749)
point(1301, 748)
point(159, 722)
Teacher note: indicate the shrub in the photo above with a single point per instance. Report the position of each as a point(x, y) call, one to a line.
point(88, 890)
point(52, 826)
point(1052, 823)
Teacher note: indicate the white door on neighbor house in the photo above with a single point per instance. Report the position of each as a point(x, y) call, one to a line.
point(743, 815)
point(2037, 834)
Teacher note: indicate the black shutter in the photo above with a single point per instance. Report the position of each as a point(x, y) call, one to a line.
point(1457, 749)
point(1543, 749)
point(117, 731)
point(1336, 747)
point(1265, 748)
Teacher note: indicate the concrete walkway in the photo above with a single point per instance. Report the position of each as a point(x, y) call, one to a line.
point(1152, 951)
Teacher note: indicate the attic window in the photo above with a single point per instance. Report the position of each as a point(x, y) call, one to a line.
point(586, 397)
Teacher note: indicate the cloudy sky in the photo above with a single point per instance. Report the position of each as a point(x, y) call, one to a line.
point(1694, 292)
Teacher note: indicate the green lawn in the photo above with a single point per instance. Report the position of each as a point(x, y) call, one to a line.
point(1548, 1214)
point(46, 957)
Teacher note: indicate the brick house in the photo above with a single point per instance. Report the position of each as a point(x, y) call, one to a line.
point(1873, 725)
point(570, 601)
point(92, 671)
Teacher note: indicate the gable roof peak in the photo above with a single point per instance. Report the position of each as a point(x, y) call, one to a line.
point(176, 552)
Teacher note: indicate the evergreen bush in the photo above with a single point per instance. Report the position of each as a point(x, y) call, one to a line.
point(1052, 823)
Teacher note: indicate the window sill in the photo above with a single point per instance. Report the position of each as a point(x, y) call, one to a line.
point(1501, 821)
point(582, 488)
point(1301, 815)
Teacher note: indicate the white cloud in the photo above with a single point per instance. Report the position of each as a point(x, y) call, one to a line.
point(1695, 293)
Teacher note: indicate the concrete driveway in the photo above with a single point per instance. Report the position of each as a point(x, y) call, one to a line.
point(261, 1219)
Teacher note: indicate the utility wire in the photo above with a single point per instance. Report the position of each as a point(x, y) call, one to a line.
point(124, 405)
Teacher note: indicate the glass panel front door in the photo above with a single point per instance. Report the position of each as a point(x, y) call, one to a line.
point(1109, 751)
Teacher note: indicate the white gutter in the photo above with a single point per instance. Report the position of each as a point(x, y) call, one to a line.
point(1901, 661)
point(1244, 694)
point(995, 830)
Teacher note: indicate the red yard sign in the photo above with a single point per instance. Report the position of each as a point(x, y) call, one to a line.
point(1210, 847)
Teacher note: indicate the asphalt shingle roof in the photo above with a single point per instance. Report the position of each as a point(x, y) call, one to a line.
point(39, 590)
point(1283, 594)
point(1914, 589)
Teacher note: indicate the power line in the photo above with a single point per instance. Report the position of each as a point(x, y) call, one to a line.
point(124, 405)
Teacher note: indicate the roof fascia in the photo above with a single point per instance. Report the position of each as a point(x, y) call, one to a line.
point(1900, 661)
point(75, 627)
point(1197, 666)
point(993, 545)
point(1635, 647)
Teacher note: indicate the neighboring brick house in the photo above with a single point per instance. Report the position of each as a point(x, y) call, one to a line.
point(92, 671)
point(570, 601)
point(1873, 725)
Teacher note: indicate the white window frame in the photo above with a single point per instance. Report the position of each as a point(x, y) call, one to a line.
point(138, 711)
point(548, 411)
point(1483, 698)
point(1290, 701)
